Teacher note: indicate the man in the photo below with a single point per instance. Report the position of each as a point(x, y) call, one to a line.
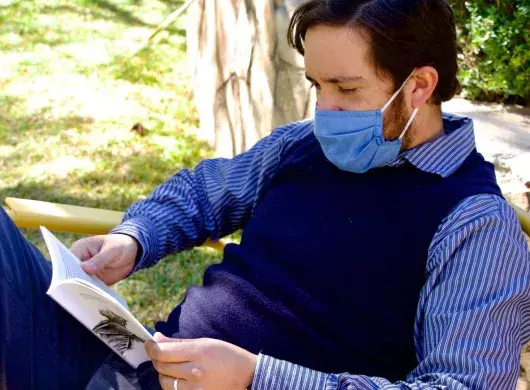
point(375, 239)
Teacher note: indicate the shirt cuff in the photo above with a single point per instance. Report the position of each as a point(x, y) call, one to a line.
point(274, 374)
point(144, 231)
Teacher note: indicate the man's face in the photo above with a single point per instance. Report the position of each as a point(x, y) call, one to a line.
point(337, 61)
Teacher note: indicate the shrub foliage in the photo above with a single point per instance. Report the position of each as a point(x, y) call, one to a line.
point(495, 48)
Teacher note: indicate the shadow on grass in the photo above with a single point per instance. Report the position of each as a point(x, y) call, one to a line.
point(173, 3)
point(17, 125)
point(20, 18)
point(148, 67)
point(124, 16)
point(118, 180)
point(51, 191)
point(117, 13)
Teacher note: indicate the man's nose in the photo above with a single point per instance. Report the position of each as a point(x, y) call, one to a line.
point(327, 104)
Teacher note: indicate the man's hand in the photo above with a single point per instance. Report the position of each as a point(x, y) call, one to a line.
point(205, 364)
point(111, 258)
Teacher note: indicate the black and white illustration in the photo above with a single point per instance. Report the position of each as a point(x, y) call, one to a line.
point(113, 329)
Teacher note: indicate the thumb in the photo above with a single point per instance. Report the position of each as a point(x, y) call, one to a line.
point(86, 248)
point(160, 338)
point(98, 262)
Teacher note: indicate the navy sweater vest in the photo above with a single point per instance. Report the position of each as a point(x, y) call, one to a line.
point(331, 264)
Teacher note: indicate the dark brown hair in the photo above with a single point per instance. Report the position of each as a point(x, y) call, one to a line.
point(403, 35)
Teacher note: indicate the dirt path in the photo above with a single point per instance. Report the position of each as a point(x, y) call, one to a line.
point(503, 137)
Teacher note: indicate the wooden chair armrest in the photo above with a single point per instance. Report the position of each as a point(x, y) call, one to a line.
point(524, 218)
point(9, 213)
point(58, 217)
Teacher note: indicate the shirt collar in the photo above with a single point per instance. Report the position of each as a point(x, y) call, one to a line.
point(445, 154)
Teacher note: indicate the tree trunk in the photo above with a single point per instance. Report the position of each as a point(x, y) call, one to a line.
point(246, 79)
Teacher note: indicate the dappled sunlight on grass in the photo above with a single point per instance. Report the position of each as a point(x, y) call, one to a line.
point(60, 168)
point(69, 100)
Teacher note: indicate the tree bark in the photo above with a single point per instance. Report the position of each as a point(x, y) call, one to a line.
point(247, 81)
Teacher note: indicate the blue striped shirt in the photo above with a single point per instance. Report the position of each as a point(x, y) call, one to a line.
point(473, 312)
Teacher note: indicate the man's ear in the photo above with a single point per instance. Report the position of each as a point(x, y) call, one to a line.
point(425, 82)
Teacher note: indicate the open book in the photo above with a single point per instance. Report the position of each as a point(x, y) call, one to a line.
point(94, 304)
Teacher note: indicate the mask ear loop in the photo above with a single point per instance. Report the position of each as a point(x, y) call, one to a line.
point(414, 113)
point(397, 92)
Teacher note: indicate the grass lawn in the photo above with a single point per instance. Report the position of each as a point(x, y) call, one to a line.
point(68, 103)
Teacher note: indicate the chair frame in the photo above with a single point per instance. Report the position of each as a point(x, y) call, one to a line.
point(58, 217)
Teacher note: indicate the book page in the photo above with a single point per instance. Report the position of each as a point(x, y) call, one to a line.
point(108, 320)
point(67, 266)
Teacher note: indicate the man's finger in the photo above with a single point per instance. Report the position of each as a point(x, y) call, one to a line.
point(81, 250)
point(99, 261)
point(178, 351)
point(187, 370)
point(168, 383)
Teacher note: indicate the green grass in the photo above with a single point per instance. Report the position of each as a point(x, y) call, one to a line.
point(68, 102)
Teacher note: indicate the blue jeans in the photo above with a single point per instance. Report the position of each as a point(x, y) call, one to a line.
point(42, 345)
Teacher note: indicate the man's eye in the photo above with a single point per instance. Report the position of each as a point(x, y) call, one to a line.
point(315, 85)
point(347, 91)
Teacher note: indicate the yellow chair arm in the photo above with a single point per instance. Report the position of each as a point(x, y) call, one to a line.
point(10, 213)
point(72, 219)
point(62, 218)
point(524, 218)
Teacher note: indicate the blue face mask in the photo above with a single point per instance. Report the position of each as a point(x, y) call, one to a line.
point(354, 140)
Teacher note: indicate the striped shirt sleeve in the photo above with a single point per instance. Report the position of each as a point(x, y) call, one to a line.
point(473, 313)
point(211, 201)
